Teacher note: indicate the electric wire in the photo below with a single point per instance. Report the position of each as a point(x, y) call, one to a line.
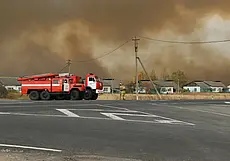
point(186, 42)
point(104, 55)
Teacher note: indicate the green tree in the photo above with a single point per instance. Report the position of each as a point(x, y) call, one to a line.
point(179, 76)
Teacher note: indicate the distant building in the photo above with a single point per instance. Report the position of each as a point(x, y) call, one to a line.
point(205, 86)
point(10, 83)
point(163, 86)
point(111, 85)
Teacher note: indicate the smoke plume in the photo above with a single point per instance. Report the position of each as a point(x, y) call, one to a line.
point(39, 36)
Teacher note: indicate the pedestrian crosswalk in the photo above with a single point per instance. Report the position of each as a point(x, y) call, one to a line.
point(120, 115)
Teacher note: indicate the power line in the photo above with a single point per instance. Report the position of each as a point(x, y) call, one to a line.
point(186, 42)
point(106, 54)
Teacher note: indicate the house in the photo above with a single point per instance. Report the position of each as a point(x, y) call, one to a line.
point(205, 86)
point(163, 86)
point(111, 85)
point(10, 83)
point(216, 86)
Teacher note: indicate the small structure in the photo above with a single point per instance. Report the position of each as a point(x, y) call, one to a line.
point(10, 83)
point(163, 86)
point(204, 86)
point(111, 85)
point(216, 86)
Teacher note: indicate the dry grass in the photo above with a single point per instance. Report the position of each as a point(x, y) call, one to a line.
point(13, 95)
point(187, 96)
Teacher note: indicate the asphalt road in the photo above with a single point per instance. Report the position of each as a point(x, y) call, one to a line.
point(145, 130)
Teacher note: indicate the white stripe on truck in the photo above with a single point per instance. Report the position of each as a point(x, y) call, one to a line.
point(40, 85)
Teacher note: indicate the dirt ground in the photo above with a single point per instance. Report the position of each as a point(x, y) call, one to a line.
point(189, 96)
point(185, 96)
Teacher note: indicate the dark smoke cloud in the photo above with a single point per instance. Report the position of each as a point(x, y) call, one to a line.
point(29, 31)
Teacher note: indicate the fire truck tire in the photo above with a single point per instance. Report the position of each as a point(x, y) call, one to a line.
point(95, 96)
point(34, 95)
point(75, 95)
point(88, 94)
point(45, 95)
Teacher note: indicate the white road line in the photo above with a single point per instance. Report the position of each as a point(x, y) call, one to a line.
point(30, 114)
point(112, 116)
point(68, 113)
point(29, 147)
point(204, 111)
point(99, 118)
point(115, 107)
point(103, 110)
point(137, 115)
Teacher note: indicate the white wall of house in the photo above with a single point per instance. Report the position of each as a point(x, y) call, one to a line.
point(17, 88)
point(166, 90)
point(107, 89)
point(192, 88)
point(217, 89)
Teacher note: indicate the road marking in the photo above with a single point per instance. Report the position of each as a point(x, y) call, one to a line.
point(112, 116)
point(68, 113)
point(99, 118)
point(29, 147)
point(204, 111)
point(165, 119)
point(115, 107)
point(103, 110)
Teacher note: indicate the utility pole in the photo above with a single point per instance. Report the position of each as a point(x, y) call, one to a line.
point(69, 64)
point(149, 77)
point(135, 39)
point(178, 85)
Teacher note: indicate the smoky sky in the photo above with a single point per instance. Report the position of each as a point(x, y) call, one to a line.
point(110, 20)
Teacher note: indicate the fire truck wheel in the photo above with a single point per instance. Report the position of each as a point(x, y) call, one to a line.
point(95, 96)
point(75, 95)
point(34, 95)
point(45, 95)
point(88, 94)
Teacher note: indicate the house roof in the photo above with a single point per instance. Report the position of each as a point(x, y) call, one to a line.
point(111, 82)
point(163, 83)
point(215, 83)
point(206, 84)
point(202, 84)
point(9, 81)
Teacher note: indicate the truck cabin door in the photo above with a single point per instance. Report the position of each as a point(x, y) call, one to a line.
point(92, 82)
point(65, 85)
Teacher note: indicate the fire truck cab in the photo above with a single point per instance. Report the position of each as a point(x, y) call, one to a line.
point(61, 86)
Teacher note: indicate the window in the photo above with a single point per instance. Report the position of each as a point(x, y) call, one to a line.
point(91, 79)
point(106, 89)
point(55, 82)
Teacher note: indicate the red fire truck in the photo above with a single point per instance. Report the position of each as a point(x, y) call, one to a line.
point(61, 86)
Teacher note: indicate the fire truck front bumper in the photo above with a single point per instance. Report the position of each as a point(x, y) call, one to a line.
point(99, 91)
